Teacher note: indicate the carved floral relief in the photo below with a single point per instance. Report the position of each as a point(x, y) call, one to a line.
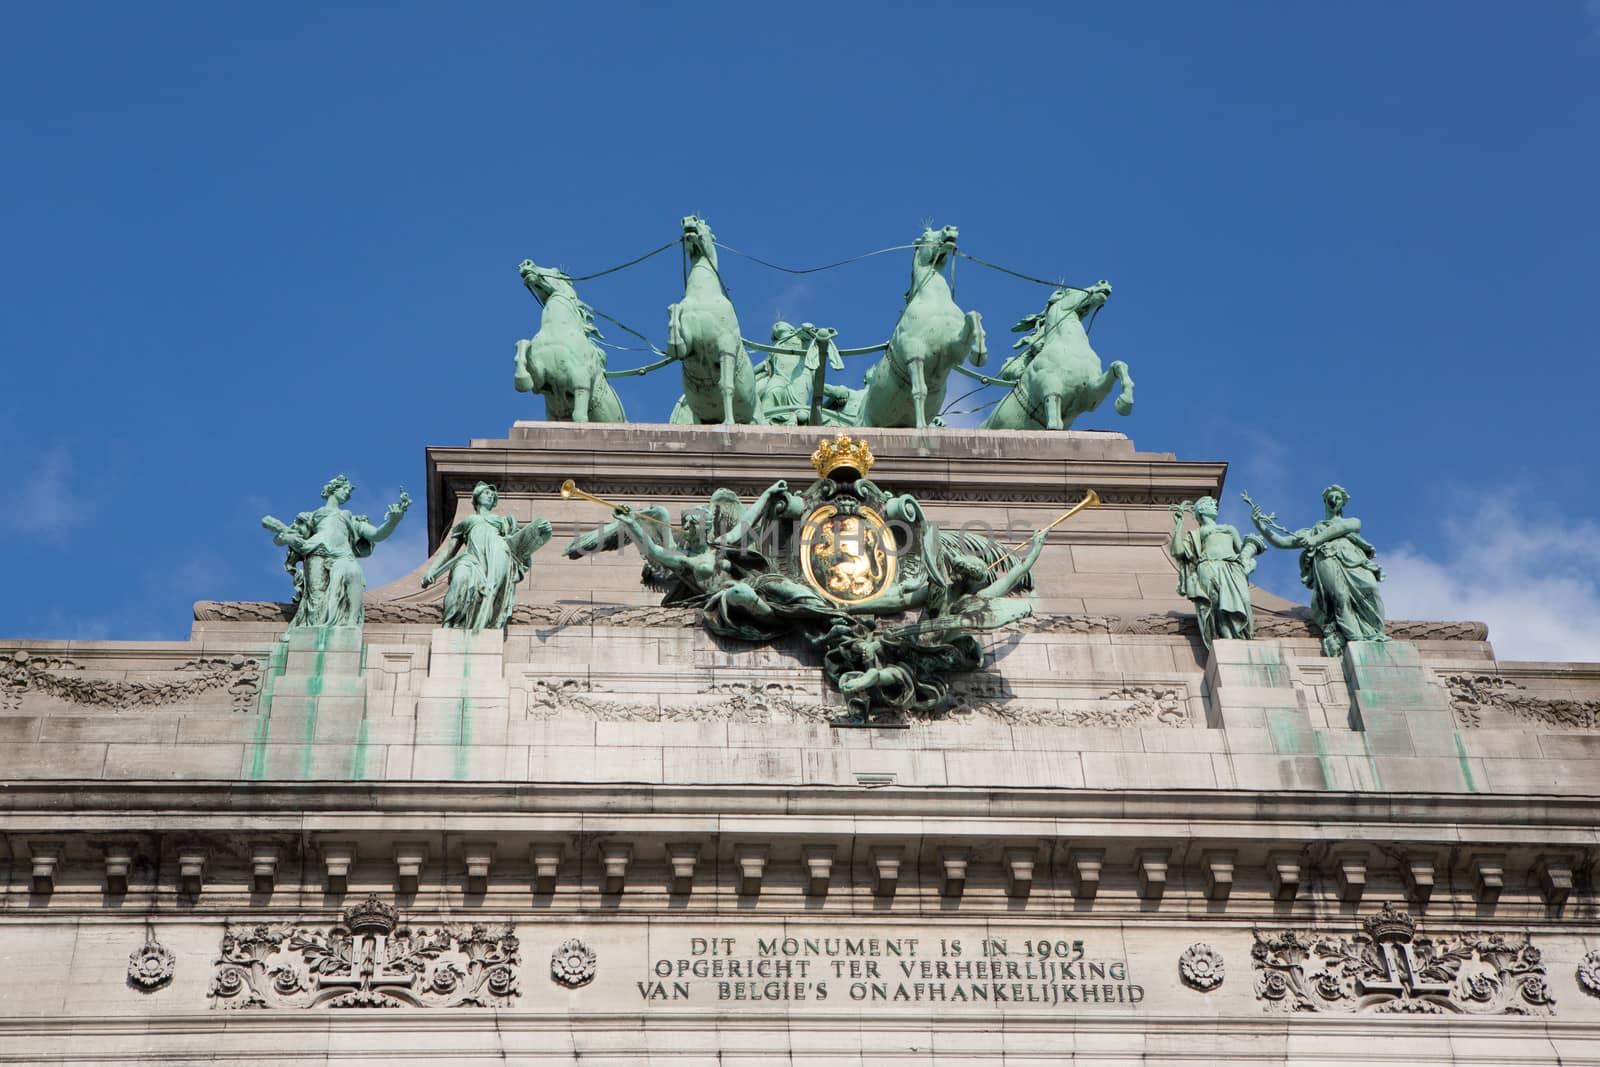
point(572, 964)
point(1200, 967)
point(1388, 968)
point(151, 965)
point(369, 960)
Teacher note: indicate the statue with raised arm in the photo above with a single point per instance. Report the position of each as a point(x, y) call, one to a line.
point(325, 549)
point(739, 594)
point(1337, 565)
point(1214, 566)
point(485, 556)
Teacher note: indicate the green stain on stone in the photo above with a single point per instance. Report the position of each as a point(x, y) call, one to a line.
point(1466, 766)
point(463, 720)
point(313, 690)
point(1286, 733)
point(277, 663)
point(1323, 758)
point(1372, 762)
point(359, 756)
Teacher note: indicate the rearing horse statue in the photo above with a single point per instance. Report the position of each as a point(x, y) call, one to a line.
point(703, 334)
point(932, 337)
point(1057, 377)
point(562, 361)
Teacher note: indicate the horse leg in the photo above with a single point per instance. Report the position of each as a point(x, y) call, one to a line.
point(523, 378)
point(919, 391)
point(1125, 398)
point(974, 339)
point(580, 404)
point(675, 331)
point(1052, 412)
point(726, 385)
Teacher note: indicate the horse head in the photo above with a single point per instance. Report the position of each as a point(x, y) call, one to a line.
point(698, 239)
point(1096, 295)
point(935, 247)
point(545, 282)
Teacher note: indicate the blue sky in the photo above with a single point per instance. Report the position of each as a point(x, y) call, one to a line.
point(246, 248)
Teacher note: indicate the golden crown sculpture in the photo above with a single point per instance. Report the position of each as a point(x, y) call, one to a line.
point(843, 452)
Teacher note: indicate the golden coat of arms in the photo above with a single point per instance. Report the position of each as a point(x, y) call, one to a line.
point(848, 557)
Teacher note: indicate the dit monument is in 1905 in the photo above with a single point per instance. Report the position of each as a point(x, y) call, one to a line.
point(824, 734)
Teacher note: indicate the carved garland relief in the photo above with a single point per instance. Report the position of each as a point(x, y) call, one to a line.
point(22, 673)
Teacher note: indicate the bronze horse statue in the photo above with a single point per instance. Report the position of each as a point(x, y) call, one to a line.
point(932, 337)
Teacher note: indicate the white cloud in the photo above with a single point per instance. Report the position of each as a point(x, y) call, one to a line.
point(45, 502)
point(1534, 579)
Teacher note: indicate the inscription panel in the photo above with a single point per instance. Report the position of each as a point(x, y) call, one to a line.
point(1048, 967)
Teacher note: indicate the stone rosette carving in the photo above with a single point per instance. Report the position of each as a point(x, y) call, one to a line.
point(1388, 968)
point(150, 966)
point(1589, 972)
point(1200, 967)
point(368, 960)
point(22, 673)
point(572, 964)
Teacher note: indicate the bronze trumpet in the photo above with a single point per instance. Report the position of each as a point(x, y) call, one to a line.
point(1091, 499)
point(569, 489)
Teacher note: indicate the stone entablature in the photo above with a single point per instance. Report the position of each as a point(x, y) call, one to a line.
point(212, 849)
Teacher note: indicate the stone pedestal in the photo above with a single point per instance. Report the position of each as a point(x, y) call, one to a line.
point(314, 707)
point(1403, 714)
point(463, 710)
point(1249, 687)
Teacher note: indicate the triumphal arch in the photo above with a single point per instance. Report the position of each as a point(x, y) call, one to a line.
point(804, 729)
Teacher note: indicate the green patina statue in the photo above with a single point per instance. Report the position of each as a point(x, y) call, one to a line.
point(1057, 376)
point(325, 548)
point(791, 389)
point(1214, 565)
point(932, 337)
point(485, 556)
point(829, 563)
point(562, 361)
point(703, 335)
point(1337, 565)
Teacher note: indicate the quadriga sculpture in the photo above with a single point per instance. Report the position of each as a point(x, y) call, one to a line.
point(932, 337)
point(562, 362)
point(703, 335)
point(1057, 376)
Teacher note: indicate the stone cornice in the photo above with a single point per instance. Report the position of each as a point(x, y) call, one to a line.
point(100, 806)
point(677, 462)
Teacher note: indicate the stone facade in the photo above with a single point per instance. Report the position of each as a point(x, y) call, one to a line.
point(607, 837)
